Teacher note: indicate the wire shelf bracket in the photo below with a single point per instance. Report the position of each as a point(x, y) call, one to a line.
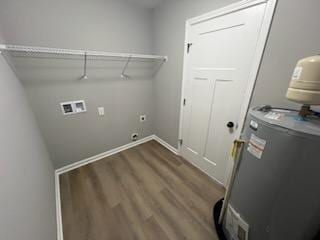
point(123, 73)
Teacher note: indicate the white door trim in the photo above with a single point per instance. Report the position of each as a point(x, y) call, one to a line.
point(262, 40)
point(240, 5)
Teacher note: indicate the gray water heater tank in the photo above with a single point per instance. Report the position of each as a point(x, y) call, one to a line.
point(277, 186)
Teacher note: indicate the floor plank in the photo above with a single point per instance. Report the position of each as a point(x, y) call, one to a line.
point(143, 193)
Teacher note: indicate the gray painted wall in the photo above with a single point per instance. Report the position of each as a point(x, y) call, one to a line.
point(27, 202)
point(294, 34)
point(291, 38)
point(108, 25)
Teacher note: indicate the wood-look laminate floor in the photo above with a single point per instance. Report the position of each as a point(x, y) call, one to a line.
point(144, 193)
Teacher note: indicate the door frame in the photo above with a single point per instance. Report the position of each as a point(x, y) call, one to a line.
point(257, 59)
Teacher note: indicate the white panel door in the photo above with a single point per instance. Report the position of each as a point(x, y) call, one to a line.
point(219, 64)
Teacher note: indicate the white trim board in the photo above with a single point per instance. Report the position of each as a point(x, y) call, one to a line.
point(237, 6)
point(95, 158)
point(201, 170)
point(166, 145)
point(260, 47)
point(114, 151)
point(58, 207)
point(102, 155)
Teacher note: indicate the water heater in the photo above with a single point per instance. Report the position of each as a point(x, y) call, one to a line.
point(276, 191)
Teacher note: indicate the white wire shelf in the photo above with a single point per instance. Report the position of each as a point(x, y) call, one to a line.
point(34, 63)
point(33, 51)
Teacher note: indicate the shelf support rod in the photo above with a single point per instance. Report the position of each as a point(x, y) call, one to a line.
point(123, 73)
point(84, 76)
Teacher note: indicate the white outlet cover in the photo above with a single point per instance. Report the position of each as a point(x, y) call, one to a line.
point(73, 107)
point(101, 111)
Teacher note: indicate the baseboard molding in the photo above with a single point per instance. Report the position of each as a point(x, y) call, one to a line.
point(166, 145)
point(102, 155)
point(58, 207)
point(94, 159)
point(204, 172)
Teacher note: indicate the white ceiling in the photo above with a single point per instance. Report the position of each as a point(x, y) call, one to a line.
point(148, 3)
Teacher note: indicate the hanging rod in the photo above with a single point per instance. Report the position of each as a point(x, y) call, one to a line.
point(62, 51)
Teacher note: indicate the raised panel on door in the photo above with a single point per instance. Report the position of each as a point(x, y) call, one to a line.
point(197, 113)
point(219, 136)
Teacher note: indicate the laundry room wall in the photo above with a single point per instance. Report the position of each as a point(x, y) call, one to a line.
point(104, 25)
point(27, 176)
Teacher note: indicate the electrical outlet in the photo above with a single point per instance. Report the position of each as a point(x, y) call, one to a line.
point(134, 137)
point(101, 111)
point(143, 118)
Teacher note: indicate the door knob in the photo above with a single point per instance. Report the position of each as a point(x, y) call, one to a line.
point(230, 124)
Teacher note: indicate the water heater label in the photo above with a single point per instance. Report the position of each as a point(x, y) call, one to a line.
point(235, 225)
point(254, 125)
point(297, 73)
point(256, 146)
point(274, 115)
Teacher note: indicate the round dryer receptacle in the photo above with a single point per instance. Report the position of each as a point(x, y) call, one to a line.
point(134, 136)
